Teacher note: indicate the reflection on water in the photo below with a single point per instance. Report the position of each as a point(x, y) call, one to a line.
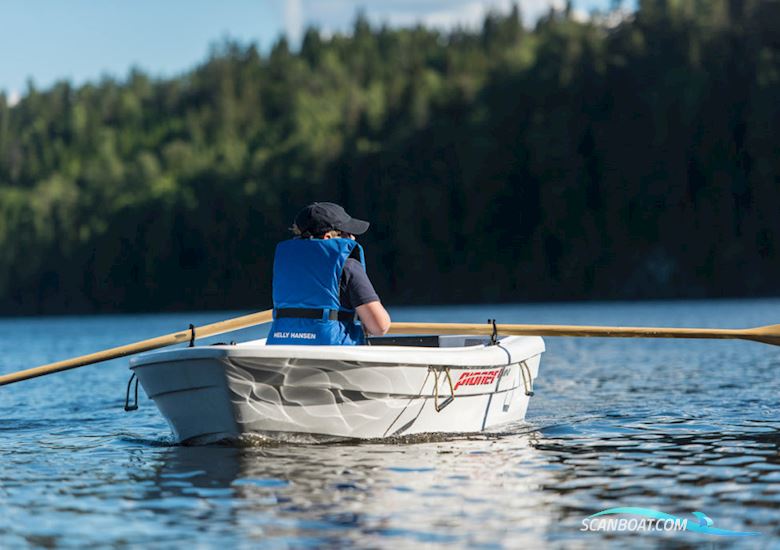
point(524, 490)
point(366, 493)
point(675, 426)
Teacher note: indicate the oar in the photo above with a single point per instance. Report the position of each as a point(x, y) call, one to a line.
point(138, 347)
point(769, 334)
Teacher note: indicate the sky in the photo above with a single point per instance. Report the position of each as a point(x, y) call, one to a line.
point(44, 41)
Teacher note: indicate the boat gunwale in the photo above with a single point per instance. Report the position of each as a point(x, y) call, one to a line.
point(353, 363)
point(465, 357)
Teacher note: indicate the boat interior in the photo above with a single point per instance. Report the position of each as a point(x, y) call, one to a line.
point(434, 341)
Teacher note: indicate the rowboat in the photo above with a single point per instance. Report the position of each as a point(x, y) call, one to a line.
point(397, 386)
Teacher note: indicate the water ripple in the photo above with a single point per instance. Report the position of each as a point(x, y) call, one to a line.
point(674, 426)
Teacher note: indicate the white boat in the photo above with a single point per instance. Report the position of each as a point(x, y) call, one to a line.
point(397, 386)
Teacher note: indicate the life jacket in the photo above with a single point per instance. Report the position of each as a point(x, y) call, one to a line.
point(307, 309)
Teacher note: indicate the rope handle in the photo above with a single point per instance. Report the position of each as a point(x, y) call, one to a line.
point(134, 406)
point(528, 384)
point(447, 401)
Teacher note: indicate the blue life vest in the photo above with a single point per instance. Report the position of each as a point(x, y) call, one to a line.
point(307, 273)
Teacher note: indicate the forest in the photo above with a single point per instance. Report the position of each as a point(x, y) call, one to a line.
point(632, 156)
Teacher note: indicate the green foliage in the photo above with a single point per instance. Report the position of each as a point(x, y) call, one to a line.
point(574, 160)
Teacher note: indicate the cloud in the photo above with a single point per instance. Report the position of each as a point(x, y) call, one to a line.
point(14, 97)
point(472, 14)
point(457, 14)
point(534, 9)
point(338, 15)
point(293, 20)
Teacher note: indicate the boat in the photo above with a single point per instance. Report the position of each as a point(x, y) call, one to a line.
point(396, 386)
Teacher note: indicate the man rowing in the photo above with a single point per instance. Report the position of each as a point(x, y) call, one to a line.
point(321, 291)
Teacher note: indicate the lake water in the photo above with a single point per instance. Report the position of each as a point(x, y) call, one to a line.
point(672, 425)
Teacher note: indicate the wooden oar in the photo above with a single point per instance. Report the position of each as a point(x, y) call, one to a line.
point(138, 347)
point(769, 334)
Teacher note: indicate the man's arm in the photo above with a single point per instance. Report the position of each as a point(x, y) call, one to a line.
point(360, 294)
point(374, 317)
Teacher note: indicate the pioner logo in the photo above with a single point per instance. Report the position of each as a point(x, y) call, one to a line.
point(478, 378)
point(653, 520)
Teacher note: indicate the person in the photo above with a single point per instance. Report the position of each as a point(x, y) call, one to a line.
point(321, 292)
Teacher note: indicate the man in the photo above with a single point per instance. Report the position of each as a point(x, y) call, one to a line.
point(320, 283)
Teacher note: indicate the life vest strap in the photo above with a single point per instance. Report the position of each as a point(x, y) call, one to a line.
point(309, 313)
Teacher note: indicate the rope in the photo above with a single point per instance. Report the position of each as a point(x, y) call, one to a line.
point(527, 383)
point(447, 401)
point(134, 406)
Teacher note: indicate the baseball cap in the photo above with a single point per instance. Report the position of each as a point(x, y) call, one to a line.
point(319, 217)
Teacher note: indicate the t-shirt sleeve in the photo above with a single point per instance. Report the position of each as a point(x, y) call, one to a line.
point(358, 289)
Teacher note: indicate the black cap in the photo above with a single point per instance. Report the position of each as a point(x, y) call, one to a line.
point(321, 217)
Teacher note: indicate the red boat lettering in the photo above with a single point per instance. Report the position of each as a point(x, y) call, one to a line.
point(477, 378)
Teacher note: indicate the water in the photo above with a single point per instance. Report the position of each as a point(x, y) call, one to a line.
point(678, 426)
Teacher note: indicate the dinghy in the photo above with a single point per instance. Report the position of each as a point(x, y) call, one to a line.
point(397, 386)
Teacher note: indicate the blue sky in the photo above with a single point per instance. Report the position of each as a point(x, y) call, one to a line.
point(81, 40)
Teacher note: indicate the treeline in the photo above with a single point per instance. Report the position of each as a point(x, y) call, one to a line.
point(633, 158)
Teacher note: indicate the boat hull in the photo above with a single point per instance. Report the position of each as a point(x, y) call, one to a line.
point(223, 392)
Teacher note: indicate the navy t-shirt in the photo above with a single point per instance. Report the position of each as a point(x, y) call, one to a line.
point(354, 288)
